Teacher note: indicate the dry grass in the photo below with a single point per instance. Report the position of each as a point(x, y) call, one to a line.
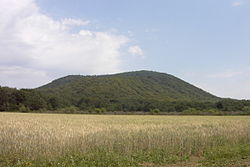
point(49, 135)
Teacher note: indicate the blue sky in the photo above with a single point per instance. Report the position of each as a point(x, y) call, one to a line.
point(206, 43)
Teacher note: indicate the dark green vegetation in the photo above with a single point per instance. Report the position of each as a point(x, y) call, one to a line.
point(236, 156)
point(101, 158)
point(132, 91)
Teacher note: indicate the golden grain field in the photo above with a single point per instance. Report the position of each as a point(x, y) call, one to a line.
point(51, 135)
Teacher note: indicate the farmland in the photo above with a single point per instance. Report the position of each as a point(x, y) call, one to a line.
point(112, 140)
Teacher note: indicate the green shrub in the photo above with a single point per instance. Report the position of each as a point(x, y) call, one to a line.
point(90, 110)
point(70, 109)
point(246, 108)
point(191, 111)
point(154, 111)
point(23, 109)
point(213, 112)
point(100, 110)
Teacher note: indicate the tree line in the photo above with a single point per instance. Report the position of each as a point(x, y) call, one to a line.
point(28, 100)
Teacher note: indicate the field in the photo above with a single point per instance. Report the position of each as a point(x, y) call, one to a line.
point(110, 140)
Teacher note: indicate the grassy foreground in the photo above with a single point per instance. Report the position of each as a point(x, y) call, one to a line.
point(41, 140)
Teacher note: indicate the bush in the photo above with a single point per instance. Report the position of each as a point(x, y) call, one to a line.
point(70, 110)
point(90, 110)
point(154, 111)
point(213, 112)
point(191, 111)
point(100, 110)
point(246, 108)
point(23, 109)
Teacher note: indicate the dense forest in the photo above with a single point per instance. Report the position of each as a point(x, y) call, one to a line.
point(143, 91)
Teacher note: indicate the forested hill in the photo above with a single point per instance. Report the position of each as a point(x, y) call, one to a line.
point(131, 91)
point(131, 85)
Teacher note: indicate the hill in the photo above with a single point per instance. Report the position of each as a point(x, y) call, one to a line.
point(140, 88)
point(131, 85)
point(131, 91)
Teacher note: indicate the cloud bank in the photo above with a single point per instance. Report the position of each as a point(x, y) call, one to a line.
point(237, 3)
point(34, 48)
point(136, 51)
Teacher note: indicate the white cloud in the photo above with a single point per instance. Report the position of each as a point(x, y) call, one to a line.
point(135, 50)
point(40, 47)
point(75, 22)
point(237, 3)
point(10, 74)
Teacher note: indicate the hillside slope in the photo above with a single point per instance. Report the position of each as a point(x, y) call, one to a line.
point(139, 86)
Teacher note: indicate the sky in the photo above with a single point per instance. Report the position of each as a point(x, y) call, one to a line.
point(206, 43)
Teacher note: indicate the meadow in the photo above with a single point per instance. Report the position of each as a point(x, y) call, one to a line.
point(41, 140)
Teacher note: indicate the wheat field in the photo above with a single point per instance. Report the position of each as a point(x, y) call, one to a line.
point(51, 136)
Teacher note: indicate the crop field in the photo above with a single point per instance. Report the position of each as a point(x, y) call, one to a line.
point(112, 140)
